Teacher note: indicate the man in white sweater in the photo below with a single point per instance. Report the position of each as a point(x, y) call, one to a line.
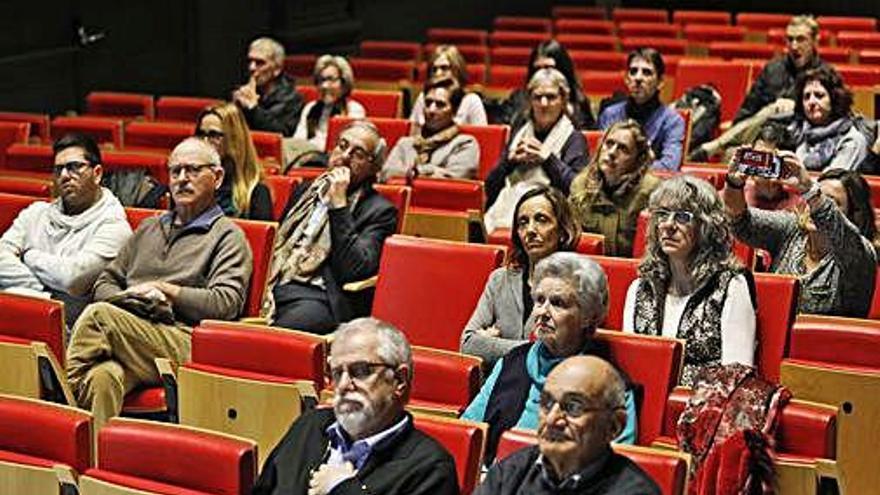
point(58, 249)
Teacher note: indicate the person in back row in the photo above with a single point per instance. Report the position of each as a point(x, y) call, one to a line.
point(334, 80)
point(440, 150)
point(663, 125)
point(447, 61)
point(269, 100)
point(59, 248)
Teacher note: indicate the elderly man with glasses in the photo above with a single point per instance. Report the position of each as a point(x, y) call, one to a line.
point(59, 248)
point(331, 234)
point(367, 442)
point(189, 264)
point(582, 409)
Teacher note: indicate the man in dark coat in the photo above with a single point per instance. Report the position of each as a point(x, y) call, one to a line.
point(367, 443)
point(269, 100)
point(582, 408)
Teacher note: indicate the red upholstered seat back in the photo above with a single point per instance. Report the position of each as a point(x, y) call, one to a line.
point(182, 108)
point(492, 139)
point(522, 23)
point(35, 320)
point(390, 50)
point(299, 66)
point(280, 189)
point(159, 135)
point(757, 21)
point(777, 298)
point(391, 71)
point(624, 14)
point(140, 454)
point(463, 440)
point(120, 104)
point(731, 79)
point(444, 379)
point(258, 349)
point(447, 194)
point(11, 133)
point(653, 363)
point(27, 186)
point(588, 243)
point(836, 340)
point(705, 17)
point(420, 294)
point(137, 215)
point(397, 195)
point(46, 431)
point(458, 36)
point(268, 145)
point(104, 130)
point(390, 129)
point(513, 440)
point(39, 122)
point(506, 76)
point(36, 157)
point(620, 272)
point(517, 38)
point(156, 164)
point(10, 206)
point(383, 104)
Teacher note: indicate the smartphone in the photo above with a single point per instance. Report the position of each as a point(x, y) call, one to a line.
point(758, 163)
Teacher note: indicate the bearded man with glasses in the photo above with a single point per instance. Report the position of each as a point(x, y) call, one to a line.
point(57, 249)
point(189, 264)
point(582, 409)
point(367, 442)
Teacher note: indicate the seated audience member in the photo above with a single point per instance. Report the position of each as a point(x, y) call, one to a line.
point(825, 132)
point(543, 225)
point(828, 245)
point(59, 248)
point(690, 285)
point(189, 264)
point(241, 194)
point(549, 55)
point(546, 150)
point(663, 125)
point(609, 194)
point(440, 150)
point(764, 193)
point(269, 100)
point(366, 443)
point(773, 94)
point(582, 409)
point(447, 61)
point(570, 296)
point(331, 234)
point(335, 80)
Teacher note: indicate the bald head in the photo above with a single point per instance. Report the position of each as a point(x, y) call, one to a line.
point(591, 376)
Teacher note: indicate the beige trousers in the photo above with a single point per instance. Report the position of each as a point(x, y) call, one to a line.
point(112, 352)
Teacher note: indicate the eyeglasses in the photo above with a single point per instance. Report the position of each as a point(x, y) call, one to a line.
point(330, 79)
point(573, 405)
point(681, 217)
point(188, 169)
point(441, 67)
point(359, 371)
point(209, 134)
point(355, 151)
point(72, 168)
point(551, 97)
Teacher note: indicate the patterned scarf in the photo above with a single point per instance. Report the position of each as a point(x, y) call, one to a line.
point(425, 146)
point(821, 142)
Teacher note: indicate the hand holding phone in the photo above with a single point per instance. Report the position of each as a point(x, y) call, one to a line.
point(755, 163)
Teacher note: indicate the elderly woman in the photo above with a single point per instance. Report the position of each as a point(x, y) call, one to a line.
point(690, 285)
point(544, 224)
point(335, 80)
point(825, 132)
point(447, 61)
point(550, 55)
point(546, 150)
point(241, 194)
point(609, 194)
point(570, 296)
point(828, 246)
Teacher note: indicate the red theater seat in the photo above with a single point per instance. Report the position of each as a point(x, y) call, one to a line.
point(457, 36)
point(594, 140)
point(836, 54)
point(31, 319)
point(157, 136)
point(268, 145)
point(730, 78)
point(120, 104)
point(777, 299)
point(390, 129)
point(27, 186)
point(399, 196)
point(598, 61)
point(510, 55)
point(12, 133)
point(859, 75)
point(517, 38)
point(869, 57)
point(10, 206)
point(156, 164)
point(620, 272)
point(182, 108)
point(843, 23)
point(756, 21)
point(463, 439)
point(39, 123)
point(730, 50)
point(444, 381)
point(447, 194)
point(568, 25)
point(390, 50)
point(647, 30)
point(705, 17)
point(602, 83)
point(414, 275)
point(32, 157)
point(859, 39)
point(519, 23)
point(639, 15)
point(171, 459)
point(492, 140)
point(506, 76)
point(706, 33)
point(383, 104)
point(280, 188)
point(391, 71)
point(666, 46)
point(577, 12)
point(588, 243)
point(104, 130)
point(473, 54)
point(594, 42)
point(300, 66)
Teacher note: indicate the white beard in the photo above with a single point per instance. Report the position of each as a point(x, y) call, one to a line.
point(355, 420)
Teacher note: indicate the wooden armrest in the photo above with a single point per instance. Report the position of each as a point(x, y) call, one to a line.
point(361, 284)
point(52, 371)
point(255, 320)
point(66, 478)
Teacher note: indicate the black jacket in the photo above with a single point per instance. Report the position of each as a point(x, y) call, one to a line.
point(519, 474)
point(277, 111)
point(412, 463)
point(777, 80)
point(356, 238)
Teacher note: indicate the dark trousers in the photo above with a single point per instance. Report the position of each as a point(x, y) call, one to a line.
point(303, 307)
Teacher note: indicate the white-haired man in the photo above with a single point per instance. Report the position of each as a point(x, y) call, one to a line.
point(269, 100)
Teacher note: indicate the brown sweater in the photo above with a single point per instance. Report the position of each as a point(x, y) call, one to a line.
point(209, 258)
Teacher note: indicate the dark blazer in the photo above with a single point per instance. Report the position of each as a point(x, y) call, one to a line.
point(411, 463)
point(277, 111)
point(356, 238)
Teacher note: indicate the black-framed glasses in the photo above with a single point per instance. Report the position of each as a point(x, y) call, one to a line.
point(358, 371)
point(74, 167)
point(634, 71)
point(344, 145)
point(681, 217)
point(209, 134)
point(572, 405)
point(188, 169)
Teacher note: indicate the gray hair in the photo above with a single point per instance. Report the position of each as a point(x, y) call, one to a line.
point(394, 350)
point(341, 65)
point(381, 145)
point(614, 392)
point(587, 277)
point(552, 76)
point(714, 238)
point(200, 145)
point(276, 49)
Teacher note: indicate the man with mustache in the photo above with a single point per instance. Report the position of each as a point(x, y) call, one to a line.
point(582, 409)
point(663, 125)
point(367, 442)
point(59, 248)
point(189, 264)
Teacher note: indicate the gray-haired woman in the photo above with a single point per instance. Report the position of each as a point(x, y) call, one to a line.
point(690, 285)
point(335, 80)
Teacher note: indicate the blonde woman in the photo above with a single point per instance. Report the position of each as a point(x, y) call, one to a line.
point(241, 194)
point(447, 61)
point(334, 80)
